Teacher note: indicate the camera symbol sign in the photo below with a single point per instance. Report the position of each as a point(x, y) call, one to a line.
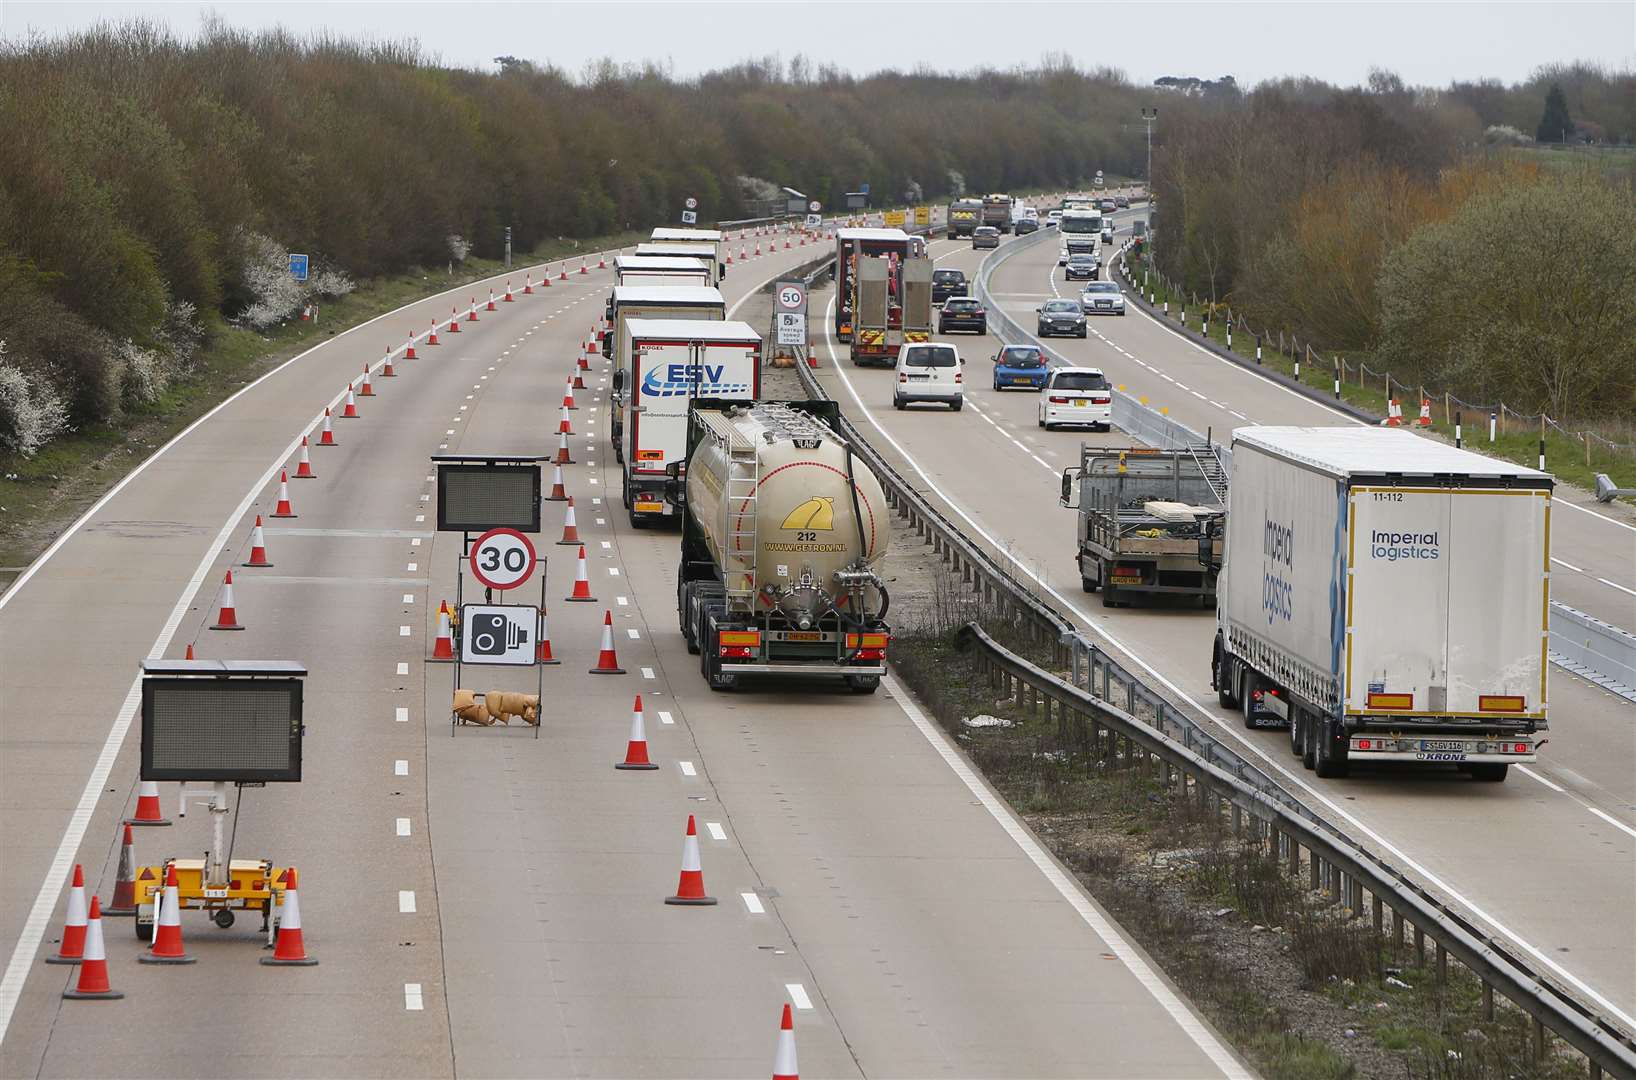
point(502, 558)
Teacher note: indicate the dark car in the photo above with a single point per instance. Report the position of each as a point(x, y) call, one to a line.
point(1107, 205)
point(1121, 202)
point(1084, 266)
point(985, 236)
point(1026, 225)
point(1061, 318)
point(962, 313)
point(947, 283)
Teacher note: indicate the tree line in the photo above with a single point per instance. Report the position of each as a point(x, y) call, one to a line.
point(1385, 221)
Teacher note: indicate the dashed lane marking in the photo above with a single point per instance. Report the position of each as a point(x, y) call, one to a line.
point(400, 767)
point(402, 715)
point(406, 901)
point(798, 996)
point(412, 999)
point(665, 718)
point(752, 903)
point(403, 826)
point(715, 830)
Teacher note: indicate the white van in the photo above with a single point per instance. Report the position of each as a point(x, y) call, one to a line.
point(1076, 395)
point(929, 371)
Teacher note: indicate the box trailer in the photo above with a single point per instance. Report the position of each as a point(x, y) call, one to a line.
point(693, 239)
point(669, 363)
point(630, 302)
point(662, 270)
point(1387, 596)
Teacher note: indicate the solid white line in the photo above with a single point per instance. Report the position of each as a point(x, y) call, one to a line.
point(400, 767)
point(1069, 890)
point(1616, 585)
point(665, 718)
point(1532, 775)
point(798, 995)
point(715, 830)
point(1292, 781)
point(1615, 822)
point(403, 826)
point(1569, 565)
point(402, 716)
point(412, 998)
point(753, 903)
point(406, 901)
point(687, 768)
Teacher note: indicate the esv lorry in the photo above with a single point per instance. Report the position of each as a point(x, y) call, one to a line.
point(671, 363)
point(1387, 596)
point(630, 302)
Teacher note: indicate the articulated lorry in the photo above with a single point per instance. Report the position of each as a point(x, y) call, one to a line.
point(1078, 233)
point(709, 254)
point(883, 289)
point(1142, 514)
point(630, 302)
point(1386, 596)
point(669, 363)
point(662, 270)
point(997, 211)
point(783, 532)
point(693, 238)
point(964, 216)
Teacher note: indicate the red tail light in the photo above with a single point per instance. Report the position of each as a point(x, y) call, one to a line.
point(1059, 401)
point(903, 376)
point(871, 654)
point(1363, 744)
point(959, 377)
point(736, 652)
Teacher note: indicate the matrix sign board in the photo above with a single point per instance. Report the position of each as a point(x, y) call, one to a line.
point(212, 720)
point(476, 496)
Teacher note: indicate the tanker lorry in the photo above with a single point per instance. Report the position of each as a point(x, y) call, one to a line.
point(783, 531)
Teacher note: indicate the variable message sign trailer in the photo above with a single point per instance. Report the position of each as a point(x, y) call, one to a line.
point(646, 302)
point(1388, 594)
point(662, 270)
point(670, 363)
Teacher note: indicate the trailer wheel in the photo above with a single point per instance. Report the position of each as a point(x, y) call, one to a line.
point(1295, 728)
point(144, 930)
point(1331, 754)
point(864, 684)
point(1222, 672)
point(1246, 695)
point(683, 589)
point(1489, 772)
point(224, 918)
point(1309, 741)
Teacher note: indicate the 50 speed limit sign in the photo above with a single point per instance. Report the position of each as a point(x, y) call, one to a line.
point(792, 296)
point(502, 558)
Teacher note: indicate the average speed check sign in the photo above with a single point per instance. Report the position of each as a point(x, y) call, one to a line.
point(502, 558)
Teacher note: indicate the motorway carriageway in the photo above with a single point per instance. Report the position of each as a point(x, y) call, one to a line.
point(1545, 861)
point(489, 904)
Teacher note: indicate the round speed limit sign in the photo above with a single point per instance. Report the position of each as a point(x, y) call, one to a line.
point(502, 558)
point(691, 203)
point(792, 297)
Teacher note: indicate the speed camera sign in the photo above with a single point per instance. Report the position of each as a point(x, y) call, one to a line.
point(502, 558)
point(792, 296)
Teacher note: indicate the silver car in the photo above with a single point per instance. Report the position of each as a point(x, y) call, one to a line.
point(1102, 298)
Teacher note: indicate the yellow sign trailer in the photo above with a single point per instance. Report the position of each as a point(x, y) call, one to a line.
point(252, 885)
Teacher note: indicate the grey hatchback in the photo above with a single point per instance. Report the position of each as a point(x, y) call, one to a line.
point(1061, 318)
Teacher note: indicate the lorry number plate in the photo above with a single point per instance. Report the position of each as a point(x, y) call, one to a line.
point(648, 507)
point(803, 635)
point(1441, 744)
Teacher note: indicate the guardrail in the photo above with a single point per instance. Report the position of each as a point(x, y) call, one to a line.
point(1589, 647)
point(1098, 684)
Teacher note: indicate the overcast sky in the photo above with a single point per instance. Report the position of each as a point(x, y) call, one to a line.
point(1425, 41)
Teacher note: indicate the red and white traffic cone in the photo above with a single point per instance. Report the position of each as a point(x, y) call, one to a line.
point(303, 463)
point(582, 582)
point(229, 617)
point(542, 652)
point(565, 427)
point(585, 357)
point(563, 276)
point(471, 312)
point(758, 248)
point(491, 301)
point(690, 889)
point(570, 527)
point(92, 984)
point(1424, 419)
point(124, 901)
point(528, 285)
point(582, 268)
point(167, 931)
point(563, 457)
point(568, 396)
point(349, 409)
point(729, 257)
point(258, 546)
point(784, 1066)
point(607, 661)
point(507, 297)
point(579, 380)
point(290, 950)
point(443, 646)
point(602, 262)
point(1394, 414)
point(71, 950)
point(454, 320)
point(431, 338)
point(364, 389)
point(326, 435)
point(408, 352)
point(743, 253)
point(558, 494)
point(281, 509)
point(147, 806)
point(636, 748)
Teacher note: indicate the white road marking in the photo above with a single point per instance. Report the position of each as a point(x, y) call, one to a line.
point(403, 826)
point(798, 996)
point(613, 571)
point(647, 673)
point(408, 598)
point(420, 517)
point(402, 716)
point(621, 601)
point(606, 544)
point(715, 830)
point(687, 768)
point(426, 498)
point(403, 631)
point(601, 521)
point(400, 767)
point(1616, 585)
point(412, 567)
point(403, 669)
point(1616, 823)
point(449, 432)
point(406, 901)
point(665, 718)
point(753, 903)
point(633, 632)
point(412, 999)
point(596, 502)
point(1532, 775)
point(415, 542)
point(1569, 565)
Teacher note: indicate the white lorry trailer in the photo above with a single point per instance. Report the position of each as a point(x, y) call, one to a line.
point(630, 302)
point(670, 362)
point(1387, 596)
point(693, 238)
point(662, 270)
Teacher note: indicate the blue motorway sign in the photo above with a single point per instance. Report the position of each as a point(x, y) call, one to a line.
point(298, 266)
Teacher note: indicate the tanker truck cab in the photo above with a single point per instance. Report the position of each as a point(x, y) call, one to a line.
point(673, 361)
point(645, 302)
point(783, 533)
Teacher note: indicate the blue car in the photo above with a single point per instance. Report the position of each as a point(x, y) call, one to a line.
point(1020, 366)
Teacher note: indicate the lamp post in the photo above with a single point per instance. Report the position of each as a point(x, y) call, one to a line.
point(1148, 116)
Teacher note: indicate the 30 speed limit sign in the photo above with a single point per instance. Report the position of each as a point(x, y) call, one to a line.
point(502, 558)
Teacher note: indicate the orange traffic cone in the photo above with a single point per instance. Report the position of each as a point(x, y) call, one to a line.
point(568, 396)
point(784, 1067)
point(326, 437)
point(570, 527)
point(258, 546)
point(124, 902)
point(93, 980)
point(582, 583)
point(557, 492)
point(443, 647)
point(147, 806)
point(71, 950)
point(349, 410)
point(290, 951)
point(167, 931)
point(602, 262)
point(566, 427)
point(562, 450)
point(229, 617)
point(636, 749)
point(431, 339)
point(281, 509)
point(542, 653)
point(491, 301)
point(303, 464)
point(1424, 419)
point(454, 320)
point(729, 257)
point(690, 889)
point(364, 389)
point(607, 661)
